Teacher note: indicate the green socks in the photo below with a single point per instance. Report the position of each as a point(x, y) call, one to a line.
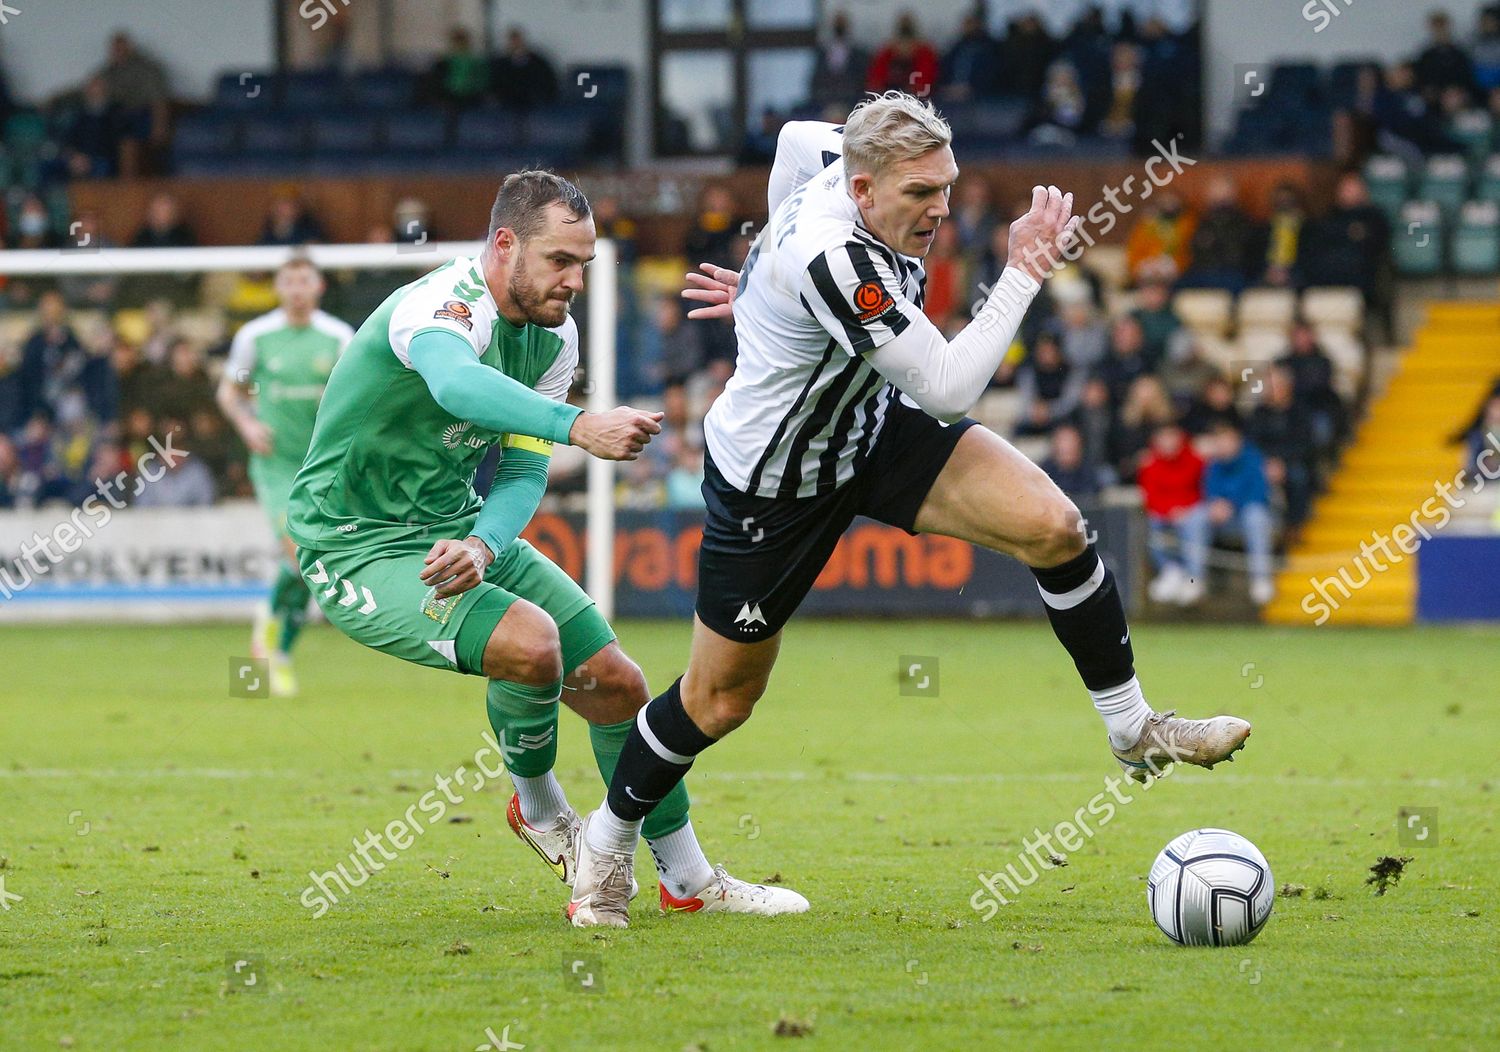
point(289, 597)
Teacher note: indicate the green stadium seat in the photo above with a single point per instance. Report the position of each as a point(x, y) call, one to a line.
point(1418, 242)
point(1386, 178)
point(1489, 179)
point(1476, 239)
point(1445, 181)
point(1474, 129)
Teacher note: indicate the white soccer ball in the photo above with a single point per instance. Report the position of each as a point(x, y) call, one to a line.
point(1210, 887)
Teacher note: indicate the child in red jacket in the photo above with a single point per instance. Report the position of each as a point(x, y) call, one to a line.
point(1171, 481)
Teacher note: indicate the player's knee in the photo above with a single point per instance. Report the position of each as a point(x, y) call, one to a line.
point(719, 710)
point(1060, 533)
point(524, 648)
point(618, 690)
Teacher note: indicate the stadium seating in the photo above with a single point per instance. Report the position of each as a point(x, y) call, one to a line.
point(1445, 182)
point(1418, 243)
point(1476, 239)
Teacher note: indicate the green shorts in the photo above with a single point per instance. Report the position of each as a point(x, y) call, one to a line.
point(375, 597)
point(272, 480)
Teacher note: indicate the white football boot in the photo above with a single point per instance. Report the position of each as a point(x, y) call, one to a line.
point(726, 894)
point(1168, 739)
point(556, 845)
point(602, 885)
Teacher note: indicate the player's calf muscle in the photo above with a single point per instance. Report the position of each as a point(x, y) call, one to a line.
point(607, 688)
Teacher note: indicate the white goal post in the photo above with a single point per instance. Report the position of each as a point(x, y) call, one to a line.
point(601, 294)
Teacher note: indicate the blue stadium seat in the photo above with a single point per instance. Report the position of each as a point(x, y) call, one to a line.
point(1296, 83)
point(416, 132)
point(204, 137)
point(273, 139)
point(383, 89)
point(558, 134)
point(344, 134)
point(312, 92)
point(242, 92)
point(609, 86)
point(489, 129)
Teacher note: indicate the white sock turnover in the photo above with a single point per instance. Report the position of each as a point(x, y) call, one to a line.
point(542, 799)
point(1124, 710)
point(607, 832)
point(680, 862)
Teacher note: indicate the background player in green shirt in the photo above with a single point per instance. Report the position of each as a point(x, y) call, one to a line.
point(278, 365)
point(405, 558)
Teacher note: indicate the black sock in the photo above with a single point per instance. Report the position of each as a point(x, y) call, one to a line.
point(656, 756)
point(1089, 619)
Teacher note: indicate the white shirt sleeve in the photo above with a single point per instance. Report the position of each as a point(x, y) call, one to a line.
point(557, 381)
point(803, 149)
point(241, 361)
point(947, 377)
point(443, 303)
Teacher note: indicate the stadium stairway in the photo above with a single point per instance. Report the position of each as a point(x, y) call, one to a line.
point(1399, 452)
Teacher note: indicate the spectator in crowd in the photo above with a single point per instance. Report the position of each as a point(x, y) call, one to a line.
point(838, 77)
point(1214, 406)
point(1146, 407)
point(1486, 56)
point(460, 78)
point(1406, 121)
point(136, 379)
point(523, 77)
point(185, 386)
point(1084, 338)
point(1049, 387)
point(1026, 54)
point(10, 474)
point(1125, 362)
point(973, 217)
point(1222, 241)
point(411, 222)
point(91, 144)
point(1485, 435)
point(1351, 244)
point(1442, 63)
point(1158, 322)
point(1238, 500)
point(33, 227)
point(1171, 481)
point(906, 62)
point(1283, 238)
point(1062, 112)
point(1118, 118)
point(1163, 233)
point(714, 238)
point(1087, 46)
point(970, 65)
point(12, 390)
point(164, 226)
point(289, 223)
point(1312, 381)
point(138, 85)
point(684, 479)
point(679, 351)
point(1188, 372)
point(186, 483)
point(55, 366)
point(1283, 433)
point(106, 462)
point(41, 478)
point(99, 290)
point(947, 286)
point(1067, 466)
point(1095, 420)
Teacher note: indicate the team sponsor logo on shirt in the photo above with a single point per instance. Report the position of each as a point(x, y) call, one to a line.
point(871, 300)
point(456, 310)
point(454, 436)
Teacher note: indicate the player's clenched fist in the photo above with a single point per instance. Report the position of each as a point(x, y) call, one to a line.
point(619, 434)
point(1037, 238)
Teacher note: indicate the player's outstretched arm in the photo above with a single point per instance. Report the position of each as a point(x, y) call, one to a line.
point(473, 391)
point(236, 404)
point(946, 377)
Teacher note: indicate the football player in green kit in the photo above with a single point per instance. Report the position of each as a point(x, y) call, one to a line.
point(403, 556)
point(278, 365)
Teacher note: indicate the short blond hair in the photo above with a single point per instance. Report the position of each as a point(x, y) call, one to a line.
point(888, 128)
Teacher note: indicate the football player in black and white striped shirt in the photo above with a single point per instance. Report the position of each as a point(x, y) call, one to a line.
point(846, 400)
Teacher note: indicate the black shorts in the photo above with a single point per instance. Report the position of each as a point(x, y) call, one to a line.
point(761, 555)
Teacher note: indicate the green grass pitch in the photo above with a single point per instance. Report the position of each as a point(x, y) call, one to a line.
point(156, 830)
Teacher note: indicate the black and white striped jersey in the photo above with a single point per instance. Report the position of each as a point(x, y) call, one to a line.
point(818, 292)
